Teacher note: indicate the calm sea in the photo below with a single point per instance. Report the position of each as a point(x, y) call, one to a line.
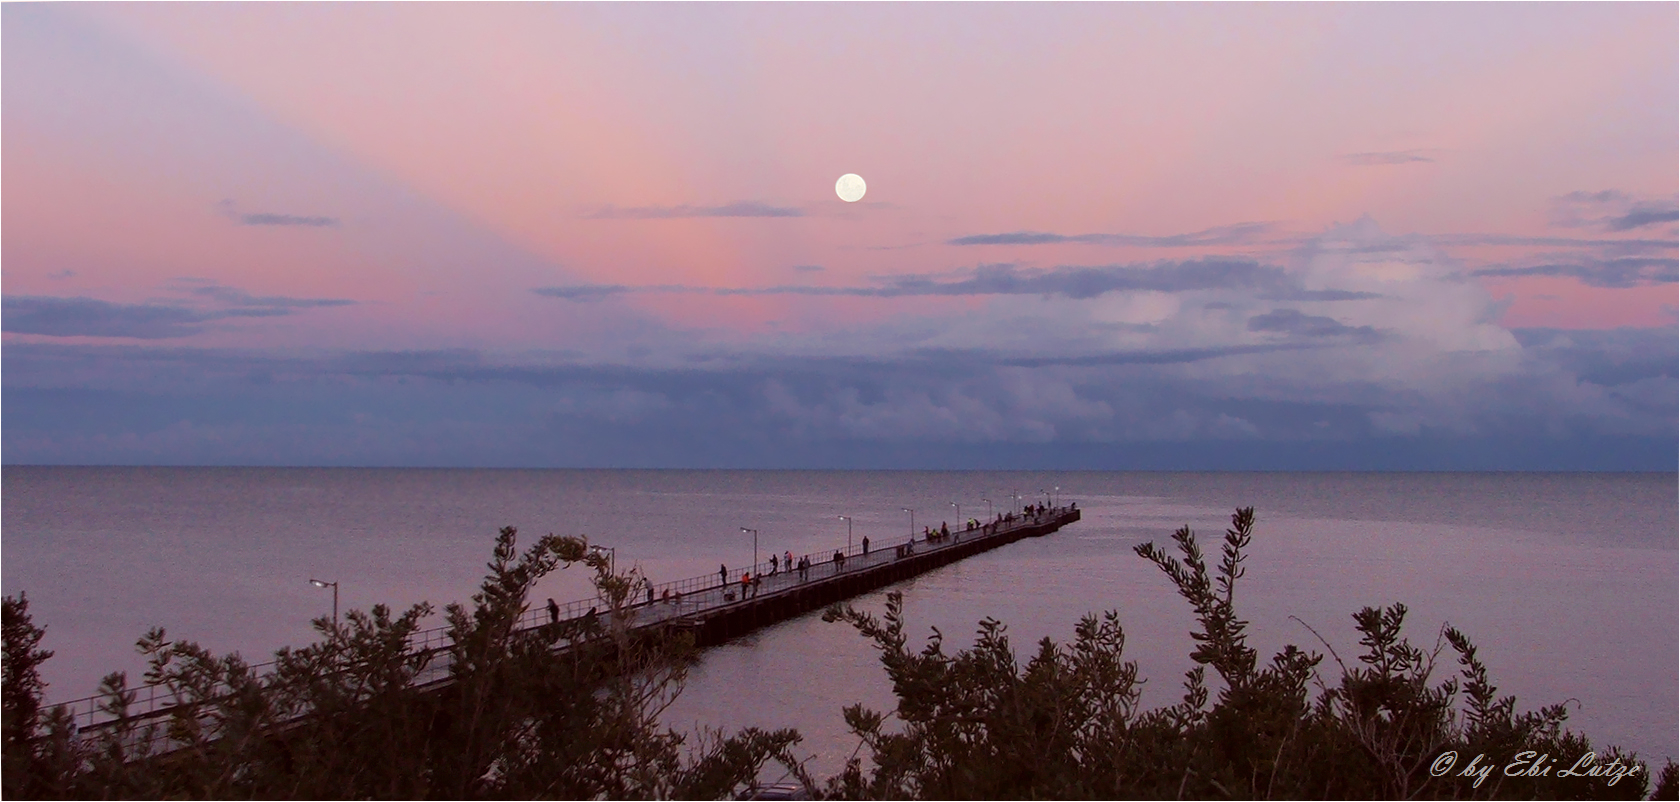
point(1567, 582)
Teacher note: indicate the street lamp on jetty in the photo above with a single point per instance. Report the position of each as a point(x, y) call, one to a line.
point(959, 512)
point(988, 509)
point(912, 522)
point(612, 557)
point(848, 520)
point(755, 547)
point(334, 585)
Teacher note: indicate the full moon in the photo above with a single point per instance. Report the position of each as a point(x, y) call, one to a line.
point(850, 187)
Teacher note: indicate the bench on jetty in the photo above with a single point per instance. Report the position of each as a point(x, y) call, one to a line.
point(712, 608)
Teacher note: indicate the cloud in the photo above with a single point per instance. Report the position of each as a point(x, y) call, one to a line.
point(1387, 157)
point(1090, 282)
point(1644, 215)
point(1611, 273)
point(1077, 282)
point(62, 274)
point(736, 209)
point(931, 408)
point(1236, 234)
point(1625, 245)
point(230, 209)
point(89, 317)
point(1295, 322)
point(1611, 210)
point(808, 268)
point(239, 298)
point(1168, 356)
point(584, 292)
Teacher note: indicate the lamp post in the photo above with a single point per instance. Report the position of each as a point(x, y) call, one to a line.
point(1058, 496)
point(755, 547)
point(988, 509)
point(912, 522)
point(612, 557)
point(334, 585)
point(848, 520)
point(959, 512)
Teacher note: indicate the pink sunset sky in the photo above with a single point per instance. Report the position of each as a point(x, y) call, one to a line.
point(1414, 200)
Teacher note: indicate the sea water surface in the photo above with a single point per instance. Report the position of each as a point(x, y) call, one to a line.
point(1566, 582)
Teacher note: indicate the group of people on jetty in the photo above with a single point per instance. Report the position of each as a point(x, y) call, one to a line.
point(750, 581)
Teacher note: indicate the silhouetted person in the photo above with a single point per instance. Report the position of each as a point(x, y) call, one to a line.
point(723, 574)
point(866, 544)
point(553, 612)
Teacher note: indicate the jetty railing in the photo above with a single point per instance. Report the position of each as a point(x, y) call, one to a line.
point(669, 600)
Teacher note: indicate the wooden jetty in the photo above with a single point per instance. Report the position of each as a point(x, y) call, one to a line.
point(713, 608)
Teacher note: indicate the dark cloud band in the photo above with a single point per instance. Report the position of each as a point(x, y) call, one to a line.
point(1611, 273)
point(1076, 282)
point(89, 317)
point(1237, 234)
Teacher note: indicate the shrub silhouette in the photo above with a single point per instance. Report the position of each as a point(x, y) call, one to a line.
point(343, 718)
point(976, 725)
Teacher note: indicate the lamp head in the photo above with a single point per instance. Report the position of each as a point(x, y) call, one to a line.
point(318, 583)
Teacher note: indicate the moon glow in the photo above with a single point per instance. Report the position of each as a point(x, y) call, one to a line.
point(850, 187)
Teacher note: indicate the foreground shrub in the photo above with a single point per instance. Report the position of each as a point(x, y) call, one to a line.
point(978, 725)
point(345, 718)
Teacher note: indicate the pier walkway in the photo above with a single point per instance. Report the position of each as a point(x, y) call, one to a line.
point(712, 608)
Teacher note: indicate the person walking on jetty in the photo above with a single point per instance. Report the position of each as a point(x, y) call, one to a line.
point(787, 560)
point(723, 574)
point(866, 545)
point(553, 611)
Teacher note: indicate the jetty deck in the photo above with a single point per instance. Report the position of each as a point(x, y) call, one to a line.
point(713, 608)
